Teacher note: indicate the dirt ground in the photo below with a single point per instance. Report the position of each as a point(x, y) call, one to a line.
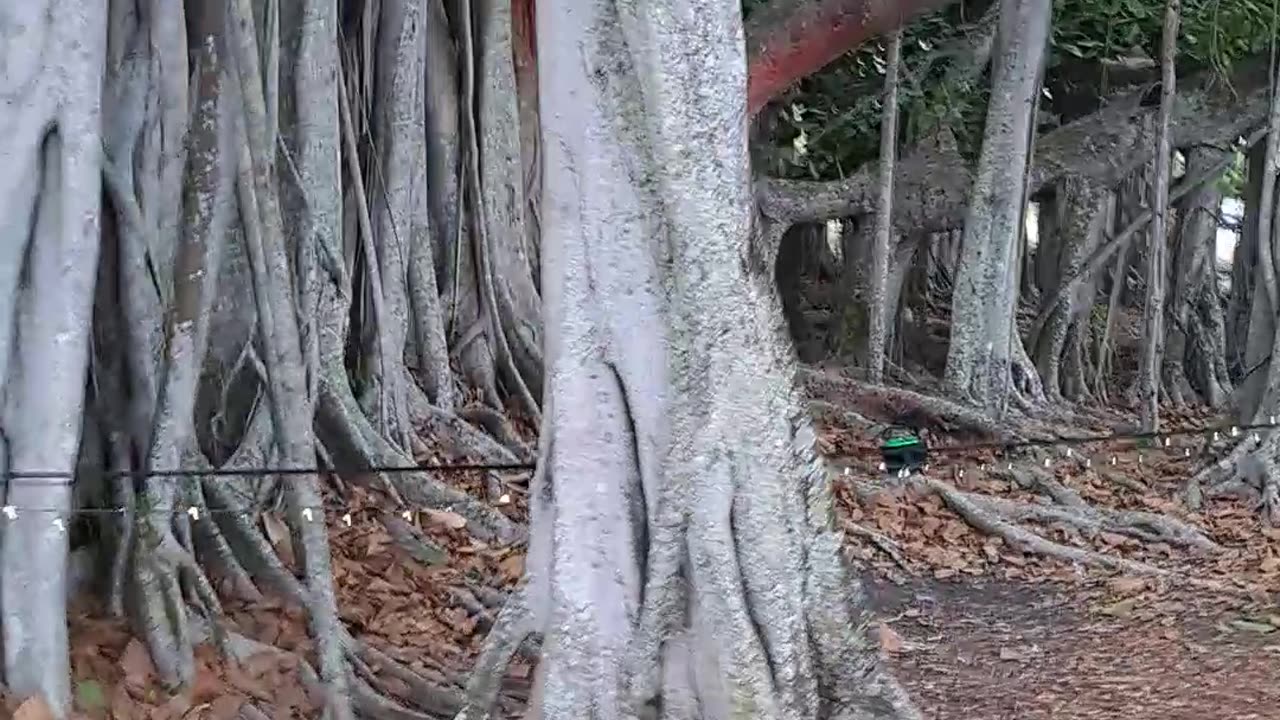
point(979, 650)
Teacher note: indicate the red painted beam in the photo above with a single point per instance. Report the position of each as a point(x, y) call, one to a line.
point(792, 39)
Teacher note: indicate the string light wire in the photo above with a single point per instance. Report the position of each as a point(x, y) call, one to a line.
point(10, 513)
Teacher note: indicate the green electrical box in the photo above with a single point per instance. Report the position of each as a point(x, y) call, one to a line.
point(902, 448)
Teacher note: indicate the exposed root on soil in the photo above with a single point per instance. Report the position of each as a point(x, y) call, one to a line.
point(1249, 470)
point(513, 625)
point(1000, 518)
point(176, 608)
point(1072, 509)
point(930, 409)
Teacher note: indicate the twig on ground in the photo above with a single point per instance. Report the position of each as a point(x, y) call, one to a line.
point(887, 546)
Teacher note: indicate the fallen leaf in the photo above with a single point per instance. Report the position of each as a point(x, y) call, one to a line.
point(1121, 609)
point(278, 534)
point(90, 697)
point(1126, 585)
point(890, 640)
point(226, 707)
point(136, 663)
point(451, 520)
point(512, 566)
point(1008, 653)
point(33, 709)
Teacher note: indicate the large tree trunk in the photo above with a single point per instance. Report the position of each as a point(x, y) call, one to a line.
point(1153, 337)
point(1261, 334)
point(982, 352)
point(1194, 335)
point(1082, 205)
point(696, 570)
point(879, 302)
point(54, 52)
point(1243, 263)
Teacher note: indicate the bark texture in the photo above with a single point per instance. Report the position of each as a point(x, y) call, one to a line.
point(984, 345)
point(697, 573)
point(878, 331)
point(54, 55)
point(1158, 237)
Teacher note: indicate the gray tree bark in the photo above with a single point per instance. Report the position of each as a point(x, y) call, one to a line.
point(50, 142)
point(1153, 337)
point(1240, 301)
point(981, 354)
point(1195, 336)
point(1083, 212)
point(883, 246)
point(1261, 333)
point(691, 574)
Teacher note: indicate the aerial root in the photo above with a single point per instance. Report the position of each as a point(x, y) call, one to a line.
point(353, 440)
point(174, 602)
point(513, 625)
point(1250, 470)
point(999, 518)
point(947, 411)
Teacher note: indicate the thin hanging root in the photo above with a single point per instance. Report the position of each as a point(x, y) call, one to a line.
point(990, 521)
point(513, 625)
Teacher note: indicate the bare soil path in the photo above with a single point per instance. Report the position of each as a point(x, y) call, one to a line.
point(979, 650)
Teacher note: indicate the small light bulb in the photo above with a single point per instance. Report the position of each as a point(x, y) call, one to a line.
point(10, 512)
point(194, 512)
point(407, 515)
point(306, 514)
point(346, 519)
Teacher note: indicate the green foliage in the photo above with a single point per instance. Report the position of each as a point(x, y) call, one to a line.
point(833, 125)
point(90, 697)
point(1212, 33)
point(1232, 181)
point(830, 125)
